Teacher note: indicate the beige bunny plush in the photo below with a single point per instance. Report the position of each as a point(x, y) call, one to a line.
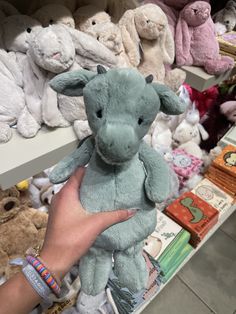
point(109, 35)
point(89, 16)
point(149, 43)
point(54, 14)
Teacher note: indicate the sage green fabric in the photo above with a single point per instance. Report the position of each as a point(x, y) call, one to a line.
point(122, 172)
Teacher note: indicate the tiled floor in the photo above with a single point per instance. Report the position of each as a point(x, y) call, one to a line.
point(207, 284)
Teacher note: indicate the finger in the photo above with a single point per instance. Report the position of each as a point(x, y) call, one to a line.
point(73, 184)
point(107, 219)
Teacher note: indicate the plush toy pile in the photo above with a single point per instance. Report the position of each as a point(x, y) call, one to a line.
point(59, 36)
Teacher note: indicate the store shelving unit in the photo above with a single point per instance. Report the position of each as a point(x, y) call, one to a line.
point(22, 158)
point(223, 218)
point(197, 78)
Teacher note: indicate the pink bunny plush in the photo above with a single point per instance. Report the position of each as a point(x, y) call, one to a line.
point(195, 40)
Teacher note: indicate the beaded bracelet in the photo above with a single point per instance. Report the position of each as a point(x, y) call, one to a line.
point(44, 273)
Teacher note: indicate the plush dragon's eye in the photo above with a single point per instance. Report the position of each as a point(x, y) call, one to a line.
point(28, 30)
point(140, 121)
point(99, 114)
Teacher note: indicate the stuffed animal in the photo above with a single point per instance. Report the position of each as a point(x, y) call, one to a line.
point(109, 35)
point(195, 40)
point(203, 100)
point(162, 135)
point(122, 172)
point(227, 16)
point(44, 61)
point(172, 9)
point(189, 134)
point(114, 8)
point(149, 43)
point(89, 16)
point(54, 14)
point(21, 227)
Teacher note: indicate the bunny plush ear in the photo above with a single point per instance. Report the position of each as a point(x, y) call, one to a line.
point(170, 102)
point(182, 42)
point(72, 83)
point(203, 132)
point(168, 46)
point(8, 9)
point(130, 37)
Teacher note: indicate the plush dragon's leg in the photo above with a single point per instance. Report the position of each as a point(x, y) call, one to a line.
point(130, 268)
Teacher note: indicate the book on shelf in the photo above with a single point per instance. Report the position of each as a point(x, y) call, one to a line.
point(227, 42)
point(214, 196)
point(127, 301)
point(193, 214)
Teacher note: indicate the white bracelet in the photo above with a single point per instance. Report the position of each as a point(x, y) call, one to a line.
point(37, 283)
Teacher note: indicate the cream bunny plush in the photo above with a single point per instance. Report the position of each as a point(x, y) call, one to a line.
point(149, 43)
point(189, 134)
point(54, 14)
point(109, 35)
point(113, 7)
point(89, 16)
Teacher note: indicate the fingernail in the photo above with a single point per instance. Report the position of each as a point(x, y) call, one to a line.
point(131, 212)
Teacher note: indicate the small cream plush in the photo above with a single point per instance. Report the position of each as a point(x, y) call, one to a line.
point(149, 43)
point(89, 16)
point(113, 7)
point(109, 35)
point(54, 14)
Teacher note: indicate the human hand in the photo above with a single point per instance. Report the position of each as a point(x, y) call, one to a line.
point(71, 230)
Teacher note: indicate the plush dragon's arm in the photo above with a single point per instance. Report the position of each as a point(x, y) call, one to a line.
point(79, 158)
point(157, 184)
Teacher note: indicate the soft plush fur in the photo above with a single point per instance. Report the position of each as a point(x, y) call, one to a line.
point(89, 16)
point(122, 171)
point(54, 14)
point(109, 35)
point(37, 4)
point(227, 16)
point(21, 227)
point(149, 43)
point(189, 134)
point(195, 40)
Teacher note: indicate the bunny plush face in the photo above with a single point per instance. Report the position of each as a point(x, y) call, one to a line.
point(109, 35)
point(150, 21)
point(89, 16)
point(196, 13)
point(54, 14)
point(120, 105)
point(17, 30)
point(53, 49)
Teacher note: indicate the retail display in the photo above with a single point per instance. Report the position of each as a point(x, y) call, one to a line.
point(167, 152)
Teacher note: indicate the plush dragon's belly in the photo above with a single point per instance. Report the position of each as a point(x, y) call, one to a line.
point(106, 188)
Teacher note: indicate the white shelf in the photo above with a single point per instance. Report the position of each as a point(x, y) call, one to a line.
point(197, 78)
point(22, 158)
point(212, 231)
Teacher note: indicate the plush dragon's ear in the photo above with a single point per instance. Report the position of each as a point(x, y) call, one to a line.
point(72, 83)
point(170, 102)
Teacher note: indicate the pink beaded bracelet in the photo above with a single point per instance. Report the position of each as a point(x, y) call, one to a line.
point(44, 273)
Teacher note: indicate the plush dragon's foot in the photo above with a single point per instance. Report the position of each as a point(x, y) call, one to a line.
point(99, 304)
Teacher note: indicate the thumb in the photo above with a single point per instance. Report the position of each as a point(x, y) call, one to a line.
point(107, 219)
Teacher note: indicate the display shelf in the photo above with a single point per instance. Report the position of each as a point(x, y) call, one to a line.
point(211, 232)
point(22, 158)
point(197, 78)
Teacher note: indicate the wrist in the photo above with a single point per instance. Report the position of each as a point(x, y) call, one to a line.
point(54, 263)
